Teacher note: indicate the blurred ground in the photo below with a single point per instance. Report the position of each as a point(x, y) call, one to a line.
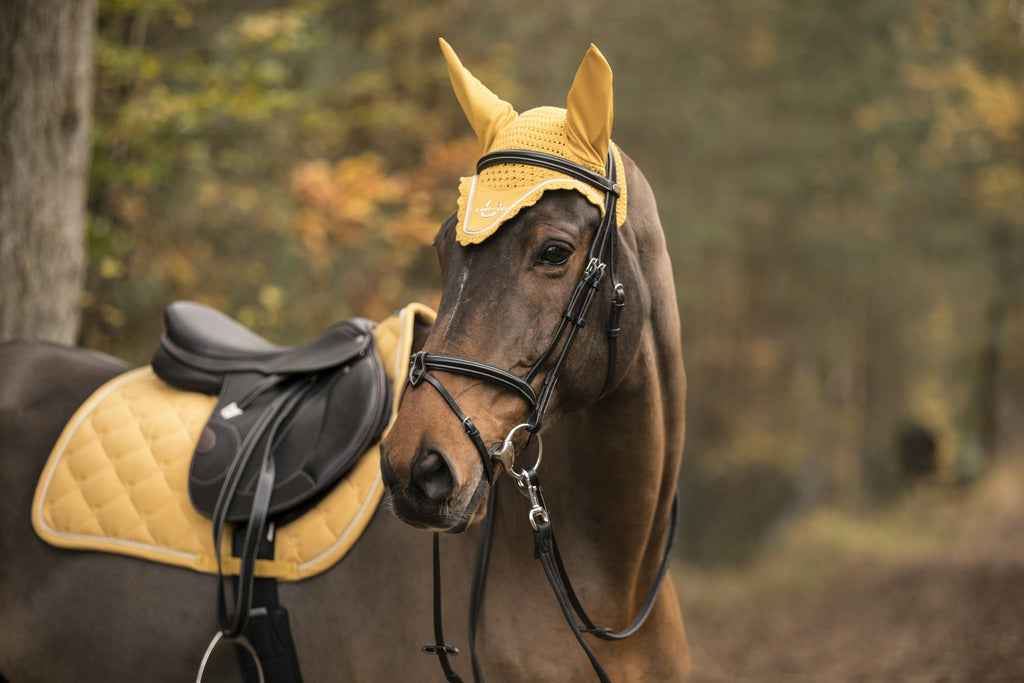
point(931, 589)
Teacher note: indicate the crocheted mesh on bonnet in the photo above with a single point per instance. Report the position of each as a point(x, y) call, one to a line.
point(519, 186)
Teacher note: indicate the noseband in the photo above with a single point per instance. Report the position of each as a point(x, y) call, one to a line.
point(601, 260)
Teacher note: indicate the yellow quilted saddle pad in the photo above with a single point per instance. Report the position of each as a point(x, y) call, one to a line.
point(117, 479)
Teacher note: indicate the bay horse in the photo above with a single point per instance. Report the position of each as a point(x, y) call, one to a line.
point(612, 437)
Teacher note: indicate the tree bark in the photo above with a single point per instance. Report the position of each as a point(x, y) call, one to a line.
point(46, 89)
point(986, 389)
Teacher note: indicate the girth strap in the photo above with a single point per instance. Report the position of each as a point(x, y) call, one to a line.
point(268, 629)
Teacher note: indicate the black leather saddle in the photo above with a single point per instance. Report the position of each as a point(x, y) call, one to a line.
point(312, 409)
point(288, 423)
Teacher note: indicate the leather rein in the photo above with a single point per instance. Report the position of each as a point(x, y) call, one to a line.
point(601, 261)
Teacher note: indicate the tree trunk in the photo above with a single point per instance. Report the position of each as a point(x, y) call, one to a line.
point(46, 86)
point(986, 390)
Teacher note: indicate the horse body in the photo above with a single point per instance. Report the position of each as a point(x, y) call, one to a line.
point(69, 615)
point(609, 471)
point(610, 465)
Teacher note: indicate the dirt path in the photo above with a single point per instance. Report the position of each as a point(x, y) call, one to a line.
point(932, 591)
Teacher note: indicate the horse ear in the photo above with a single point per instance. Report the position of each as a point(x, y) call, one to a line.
point(487, 113)
point(588, 119)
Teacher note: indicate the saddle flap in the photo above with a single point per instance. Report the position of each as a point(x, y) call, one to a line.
point(338, 416)
point(315, 408)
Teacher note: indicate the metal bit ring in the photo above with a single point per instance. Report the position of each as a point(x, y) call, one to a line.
point(507, 454)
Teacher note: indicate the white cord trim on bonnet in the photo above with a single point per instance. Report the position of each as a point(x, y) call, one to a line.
point(499, 193)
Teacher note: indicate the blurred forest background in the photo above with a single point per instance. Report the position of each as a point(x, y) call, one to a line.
point(841, 184)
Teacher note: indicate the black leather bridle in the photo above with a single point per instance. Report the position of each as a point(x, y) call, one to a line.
point(601, 262)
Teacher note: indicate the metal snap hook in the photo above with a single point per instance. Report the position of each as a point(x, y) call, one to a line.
point(538, 516)
point(529, 486)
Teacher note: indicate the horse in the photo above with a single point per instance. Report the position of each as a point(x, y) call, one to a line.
point(612, 438)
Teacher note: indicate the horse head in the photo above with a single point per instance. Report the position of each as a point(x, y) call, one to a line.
point(528, 244)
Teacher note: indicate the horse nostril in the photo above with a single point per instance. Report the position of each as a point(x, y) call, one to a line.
point(432, 476)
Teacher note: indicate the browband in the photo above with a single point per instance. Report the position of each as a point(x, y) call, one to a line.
point(550, 162)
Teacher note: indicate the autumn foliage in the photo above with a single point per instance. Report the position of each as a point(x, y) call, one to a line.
point(841, 185)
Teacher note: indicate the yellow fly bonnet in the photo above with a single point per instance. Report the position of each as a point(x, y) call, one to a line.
point(580, 133)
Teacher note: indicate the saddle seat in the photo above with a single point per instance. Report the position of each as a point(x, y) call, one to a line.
point(201, 345)
point(213, 334)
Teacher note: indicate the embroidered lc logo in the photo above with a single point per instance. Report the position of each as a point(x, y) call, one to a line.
point(488, 211)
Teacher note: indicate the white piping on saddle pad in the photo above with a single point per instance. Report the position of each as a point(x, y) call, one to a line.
point(84, 413)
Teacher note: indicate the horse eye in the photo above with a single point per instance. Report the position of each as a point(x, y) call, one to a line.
point(556, 254)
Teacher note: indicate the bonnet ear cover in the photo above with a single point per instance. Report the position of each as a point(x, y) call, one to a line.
point(588, 116)
point(581, 133)
point(487, 112)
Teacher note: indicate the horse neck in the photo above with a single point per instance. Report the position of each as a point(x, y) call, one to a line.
point(609, 474)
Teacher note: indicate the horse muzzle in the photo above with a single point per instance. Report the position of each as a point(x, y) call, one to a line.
point(430, 493)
